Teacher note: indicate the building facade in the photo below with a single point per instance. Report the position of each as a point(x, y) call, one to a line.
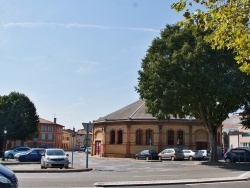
point(131, 129)
point(238, 136)
point(50, 135)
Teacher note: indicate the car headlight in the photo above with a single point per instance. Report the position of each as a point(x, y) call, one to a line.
point(4, 179)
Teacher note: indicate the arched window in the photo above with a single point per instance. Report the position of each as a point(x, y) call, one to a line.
point(139, 137)
point(119, 134)
point(149, 137)
point(112, 137)
point(179, 137)
point(170, 137)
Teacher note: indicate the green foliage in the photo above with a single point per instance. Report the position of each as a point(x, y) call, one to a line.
point(229, 21)
point(182, 75)
point(18, 115)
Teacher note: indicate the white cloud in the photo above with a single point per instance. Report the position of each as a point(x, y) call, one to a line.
point(74, 25)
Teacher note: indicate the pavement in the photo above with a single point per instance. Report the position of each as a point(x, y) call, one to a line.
point(244, 167)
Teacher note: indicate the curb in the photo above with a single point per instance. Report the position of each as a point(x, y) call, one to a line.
point(243, 177)
point(54, 170)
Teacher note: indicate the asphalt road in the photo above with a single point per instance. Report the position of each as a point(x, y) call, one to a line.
point(113, 170)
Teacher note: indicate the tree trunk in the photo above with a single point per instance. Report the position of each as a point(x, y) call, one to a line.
point(213, 147)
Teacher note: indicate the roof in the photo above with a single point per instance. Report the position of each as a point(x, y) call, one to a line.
point(233, 120)
point(44, 121)
point(134, 111)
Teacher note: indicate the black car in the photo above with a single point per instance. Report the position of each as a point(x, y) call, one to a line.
point(237, 155)
point(33, 155)
point(8, 178)
point(147, 154)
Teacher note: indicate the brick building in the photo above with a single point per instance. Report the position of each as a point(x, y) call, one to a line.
point(131, 129)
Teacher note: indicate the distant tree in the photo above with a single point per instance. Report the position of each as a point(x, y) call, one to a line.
point(182, 75)
point(229, 20)
point(18, 116)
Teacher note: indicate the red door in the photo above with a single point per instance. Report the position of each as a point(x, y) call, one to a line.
point(98, 147)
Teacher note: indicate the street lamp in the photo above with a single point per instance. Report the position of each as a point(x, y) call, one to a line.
point(4, 145)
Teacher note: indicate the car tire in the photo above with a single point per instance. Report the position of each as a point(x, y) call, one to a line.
point(10, 156)
point(147, 158)
point(172, 158)
point(228, 160)
point(136, 158)
point(190, 158)
point(204, 158)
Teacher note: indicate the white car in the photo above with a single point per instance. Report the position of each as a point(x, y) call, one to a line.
point(189, 154)
point(54, 158)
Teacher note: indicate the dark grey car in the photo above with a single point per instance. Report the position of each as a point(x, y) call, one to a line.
point(8, 178)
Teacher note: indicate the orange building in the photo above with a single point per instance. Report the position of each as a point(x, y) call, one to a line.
point(131, 129)
point(50, 135)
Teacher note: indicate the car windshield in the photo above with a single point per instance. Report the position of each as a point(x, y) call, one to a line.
point(55, 152)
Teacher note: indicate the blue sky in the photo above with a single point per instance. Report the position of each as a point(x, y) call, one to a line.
point(77, 60)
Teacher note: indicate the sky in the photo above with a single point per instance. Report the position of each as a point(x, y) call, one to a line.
point(77, 60)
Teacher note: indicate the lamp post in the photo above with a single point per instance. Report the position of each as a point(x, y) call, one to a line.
point(4, 145)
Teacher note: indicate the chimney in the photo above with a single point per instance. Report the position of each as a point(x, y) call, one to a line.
point(54, 120)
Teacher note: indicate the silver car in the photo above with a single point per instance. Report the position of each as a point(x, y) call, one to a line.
point(189, 154)
point(171, 153)
point(54, 158)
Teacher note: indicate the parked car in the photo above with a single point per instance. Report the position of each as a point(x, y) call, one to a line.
point(82, 148)
point(33, 155)
point(18, 154)
point(202, 154)
point(147, 154)
point(237, 155)
point(189, 154)
point(8, 178)
point(10, 153)
point(54, 158)
point(171, 153)
point(88, 150)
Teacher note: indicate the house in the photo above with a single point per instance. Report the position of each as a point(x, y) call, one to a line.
point(131, 129)
point(238, 136)
point(81, 137)
point(69, 139)
point(50, 135)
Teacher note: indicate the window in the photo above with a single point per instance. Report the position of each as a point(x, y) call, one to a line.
point(170, 137)
point(149, 137)
point(179, 137)
point(139, 137)
point(50, 136)
point(119, 141)
point(112, 137)
point(43, 136)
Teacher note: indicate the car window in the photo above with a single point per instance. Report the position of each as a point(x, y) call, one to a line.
point(33, 152)
point(55, 152)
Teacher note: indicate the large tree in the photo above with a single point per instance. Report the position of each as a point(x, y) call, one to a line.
point(182, 75)
point(18, 116)
point(229, 20)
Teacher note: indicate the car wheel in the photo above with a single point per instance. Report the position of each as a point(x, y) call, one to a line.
point(228, 160)
point(136, 158)
point(204, 158)
point(147, 158)
point(172, 158)
point(10, 156)
point(190, 158)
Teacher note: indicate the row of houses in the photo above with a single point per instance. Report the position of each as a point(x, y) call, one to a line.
point(54, 135)
point(130, 129)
